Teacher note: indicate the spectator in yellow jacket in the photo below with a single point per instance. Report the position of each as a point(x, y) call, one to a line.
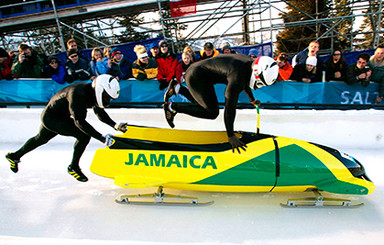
point(144, 67)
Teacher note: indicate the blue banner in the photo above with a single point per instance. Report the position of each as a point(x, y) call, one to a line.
point(135, 91)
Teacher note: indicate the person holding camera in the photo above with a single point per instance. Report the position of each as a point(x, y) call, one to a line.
point(28, 64)
point(360, 71)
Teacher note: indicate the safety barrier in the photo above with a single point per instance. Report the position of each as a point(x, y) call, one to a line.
point(134, 93)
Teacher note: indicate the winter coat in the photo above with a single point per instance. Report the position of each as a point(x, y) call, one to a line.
point(149, 71)
point(302, 56)
point(181, 68)
point(285, 72)
point(377, 70)
point(31, 67)
point(5, 70)
point(123, 70)
point(300, 72)
point(57, 75)
point(99, 67)
point(204, 56)
point(166, 66)
point(78, 71)
point(330, 68)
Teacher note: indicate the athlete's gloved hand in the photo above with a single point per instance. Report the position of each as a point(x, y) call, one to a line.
point(109, 141)
point(122, 127)
point(236, 144)
point(256, 102)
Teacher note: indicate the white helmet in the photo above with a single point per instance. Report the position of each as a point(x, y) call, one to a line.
point(106, 88)
point(264, 72)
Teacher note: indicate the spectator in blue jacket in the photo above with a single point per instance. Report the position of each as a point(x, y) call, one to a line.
point(98, 64)
point(76, 67)
point(54, 70)
point(120, 68)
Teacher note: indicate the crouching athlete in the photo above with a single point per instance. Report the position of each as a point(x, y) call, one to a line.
point(239, 72)
point(65, 115)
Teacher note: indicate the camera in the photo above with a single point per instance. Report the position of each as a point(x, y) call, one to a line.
point(366, 69)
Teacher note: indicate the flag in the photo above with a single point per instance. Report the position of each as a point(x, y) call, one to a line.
point(182, 7)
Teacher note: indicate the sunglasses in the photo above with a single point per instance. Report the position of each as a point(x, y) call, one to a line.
point(336, 54)
point(73, 56)
point(164, 46)
point(252, 56)
point(53, 62)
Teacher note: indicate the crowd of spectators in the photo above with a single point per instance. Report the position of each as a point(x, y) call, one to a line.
point(159, 62)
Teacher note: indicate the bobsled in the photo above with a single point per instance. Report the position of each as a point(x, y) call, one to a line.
point(204, 161)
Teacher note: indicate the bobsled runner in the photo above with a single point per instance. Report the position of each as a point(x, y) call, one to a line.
point(203, 161)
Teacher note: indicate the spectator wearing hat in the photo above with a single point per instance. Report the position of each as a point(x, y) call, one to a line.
point(308, 72)
point(144, 67)
point(5, 65)
point(166, 65)
point(98, 64)
point(72, 44)
point(28, 64)
point(226, 49)
point(208, 51)
point(76, 67)
point(253, 53)
point(55, 70)
point(120, 68)
point(335, 67)
point(154, 51)
point(285, 69)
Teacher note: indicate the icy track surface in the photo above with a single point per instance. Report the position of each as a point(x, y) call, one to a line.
point(42, 204)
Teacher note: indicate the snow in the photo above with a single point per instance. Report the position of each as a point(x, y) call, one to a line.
point(43, 204)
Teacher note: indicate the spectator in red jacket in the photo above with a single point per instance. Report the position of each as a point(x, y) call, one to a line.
point(5, 65)
point(181, 68)
point(285, 69)
point(166, 65)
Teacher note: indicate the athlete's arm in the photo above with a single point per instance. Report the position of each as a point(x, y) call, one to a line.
point(249, 93)
point(231, 97)
point(103, 116)
point(78, 111)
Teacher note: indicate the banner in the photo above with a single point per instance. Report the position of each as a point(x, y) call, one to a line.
point(147, 92)
point(182, 7)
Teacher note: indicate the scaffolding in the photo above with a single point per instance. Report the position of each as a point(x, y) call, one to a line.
point(240, 22)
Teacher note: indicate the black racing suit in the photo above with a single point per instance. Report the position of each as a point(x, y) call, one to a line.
point(235, 70)
point(65, 115)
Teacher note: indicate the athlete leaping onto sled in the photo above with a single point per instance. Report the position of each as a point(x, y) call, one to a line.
point(238, 71)
point(66, 114)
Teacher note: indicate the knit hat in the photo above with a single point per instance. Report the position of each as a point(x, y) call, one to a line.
point(153, 45)
point(50, 58)
point(3, 53)
point(140, 51)
point(311, 60)
point(163, 42)
point(71, 52)
point(225, 45)
point(253, 51)
point(208, 46)
point(115, 51)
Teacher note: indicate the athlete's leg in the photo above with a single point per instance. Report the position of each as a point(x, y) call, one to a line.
point(203, 92)
point(41, 138)
point(67, 127)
